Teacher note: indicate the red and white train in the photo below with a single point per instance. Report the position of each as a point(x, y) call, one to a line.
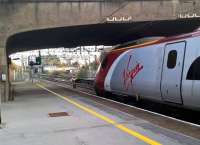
point(157, 68)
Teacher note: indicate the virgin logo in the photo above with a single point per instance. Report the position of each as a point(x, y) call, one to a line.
point(129, 75)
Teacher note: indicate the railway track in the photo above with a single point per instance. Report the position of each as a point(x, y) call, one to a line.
point(183, 115)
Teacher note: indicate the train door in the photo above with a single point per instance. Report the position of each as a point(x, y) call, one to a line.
point(172, 72)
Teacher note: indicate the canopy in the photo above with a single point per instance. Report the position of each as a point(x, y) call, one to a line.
point(97, 34)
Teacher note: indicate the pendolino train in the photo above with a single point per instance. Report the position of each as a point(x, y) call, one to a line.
point(157, 68)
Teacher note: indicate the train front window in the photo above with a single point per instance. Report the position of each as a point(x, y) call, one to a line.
point(194, 70)
point(172, 56)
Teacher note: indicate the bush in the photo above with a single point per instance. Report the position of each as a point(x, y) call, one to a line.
point(83, 72)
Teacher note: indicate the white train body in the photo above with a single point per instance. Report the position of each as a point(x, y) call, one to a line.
point(167, 71)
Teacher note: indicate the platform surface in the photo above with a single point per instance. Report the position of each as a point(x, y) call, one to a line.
point(26, 121)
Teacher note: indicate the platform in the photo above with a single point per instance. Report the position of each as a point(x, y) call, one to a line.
point(26, 121)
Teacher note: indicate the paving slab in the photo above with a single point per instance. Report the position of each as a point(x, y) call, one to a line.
point(26, 121)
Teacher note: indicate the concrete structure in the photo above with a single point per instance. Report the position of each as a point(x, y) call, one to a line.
point(17, 16)
point(23, 15)
point(27, 123)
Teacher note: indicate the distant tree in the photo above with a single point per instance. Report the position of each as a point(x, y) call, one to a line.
point(94, 65)
point(75, 64)
point(83, 72)
point(62, 65)
point(52, 60)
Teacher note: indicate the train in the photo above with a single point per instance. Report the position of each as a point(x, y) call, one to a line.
point(163, 69)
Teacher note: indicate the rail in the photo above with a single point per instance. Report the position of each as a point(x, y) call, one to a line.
point(182, 114)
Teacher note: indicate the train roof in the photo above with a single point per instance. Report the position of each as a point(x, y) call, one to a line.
point(155, 40)
point(138, 41)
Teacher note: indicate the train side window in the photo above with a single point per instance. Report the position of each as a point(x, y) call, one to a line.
point(104, 62)
point(172, 56)
point(194, 70)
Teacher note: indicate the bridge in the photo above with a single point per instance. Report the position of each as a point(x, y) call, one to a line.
point(37, 24)
point(26, 15)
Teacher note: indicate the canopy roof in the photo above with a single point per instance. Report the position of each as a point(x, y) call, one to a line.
point(97, 34)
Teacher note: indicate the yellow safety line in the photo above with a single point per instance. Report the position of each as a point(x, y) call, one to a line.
point(106, 119)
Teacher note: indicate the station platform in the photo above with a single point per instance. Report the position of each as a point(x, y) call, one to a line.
point(46, 114)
